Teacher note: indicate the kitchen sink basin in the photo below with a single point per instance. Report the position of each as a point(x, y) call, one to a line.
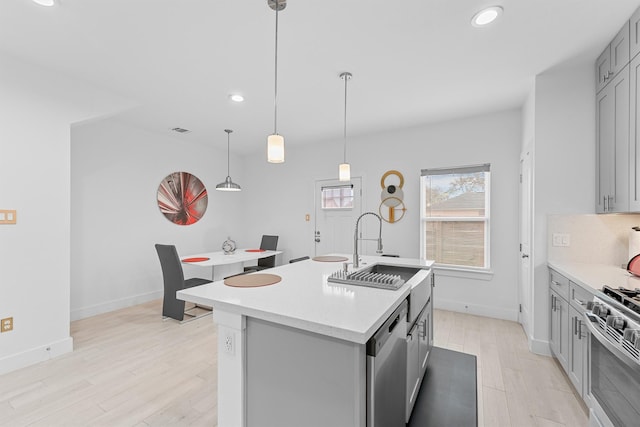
point(405, 273)
point(376, 276)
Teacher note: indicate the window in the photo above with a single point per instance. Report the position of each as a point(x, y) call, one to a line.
point(337, 197)
point(455, 216)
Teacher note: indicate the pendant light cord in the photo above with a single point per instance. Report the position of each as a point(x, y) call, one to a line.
point(228, 172)
point(275, 109)
point(346, 77)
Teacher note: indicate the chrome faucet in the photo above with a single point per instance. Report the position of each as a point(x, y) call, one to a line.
point(356, 261)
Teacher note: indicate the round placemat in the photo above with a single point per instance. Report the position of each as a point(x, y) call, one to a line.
point(196, 259)
point(252, 280)
point(330, 258)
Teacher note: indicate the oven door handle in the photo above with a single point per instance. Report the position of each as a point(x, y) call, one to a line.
point(619, 354)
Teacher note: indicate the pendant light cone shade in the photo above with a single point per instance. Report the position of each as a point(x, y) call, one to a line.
point(344, 170)
point(275, 142)
point(228, 184)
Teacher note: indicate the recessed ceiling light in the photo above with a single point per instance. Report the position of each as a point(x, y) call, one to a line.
point(486, 16)
point(236, 97)
point(46, 2)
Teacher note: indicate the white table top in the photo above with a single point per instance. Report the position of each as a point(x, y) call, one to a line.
point(595, 276)
point(219, 257)
point(305, 300)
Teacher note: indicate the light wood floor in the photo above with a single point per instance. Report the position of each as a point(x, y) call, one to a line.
point(130, 368)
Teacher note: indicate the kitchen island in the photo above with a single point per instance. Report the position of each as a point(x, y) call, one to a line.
point(293, 353)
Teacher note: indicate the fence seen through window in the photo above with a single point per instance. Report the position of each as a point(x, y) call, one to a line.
point(455, 216)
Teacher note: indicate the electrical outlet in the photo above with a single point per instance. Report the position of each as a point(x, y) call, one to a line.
point(229, 343)
point(6, 325)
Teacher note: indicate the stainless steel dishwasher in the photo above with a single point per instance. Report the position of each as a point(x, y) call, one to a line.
point(387, 372)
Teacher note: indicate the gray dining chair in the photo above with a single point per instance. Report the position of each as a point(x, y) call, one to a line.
point(269, 243)
point(174, 281)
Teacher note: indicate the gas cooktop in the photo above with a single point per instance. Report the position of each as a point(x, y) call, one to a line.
point(629, 298)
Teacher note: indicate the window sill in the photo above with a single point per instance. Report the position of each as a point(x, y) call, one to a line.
point(463, 273)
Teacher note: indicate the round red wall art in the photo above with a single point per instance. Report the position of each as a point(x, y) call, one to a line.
point(182, 198)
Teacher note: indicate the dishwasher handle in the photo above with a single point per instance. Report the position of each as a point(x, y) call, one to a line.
point(395, 321)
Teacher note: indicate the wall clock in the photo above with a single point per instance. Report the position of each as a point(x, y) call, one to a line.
point(182, 198)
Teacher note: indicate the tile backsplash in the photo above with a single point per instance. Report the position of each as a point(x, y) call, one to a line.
point(598, 239)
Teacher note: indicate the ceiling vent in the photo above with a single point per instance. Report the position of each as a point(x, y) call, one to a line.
point(181, 130)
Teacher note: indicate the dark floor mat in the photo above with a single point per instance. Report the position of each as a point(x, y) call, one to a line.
point(448, 395)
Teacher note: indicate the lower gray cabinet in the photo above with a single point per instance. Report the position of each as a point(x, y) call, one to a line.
point(577, 350)
point(569, 336)
point(559, 328)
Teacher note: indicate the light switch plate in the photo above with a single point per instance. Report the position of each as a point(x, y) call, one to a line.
point(561, 239)
point(8, 216)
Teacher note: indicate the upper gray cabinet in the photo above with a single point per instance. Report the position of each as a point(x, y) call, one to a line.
point(618, 122)
point(612, 145)
point(634, 135)
point(613, 59)
point(634, 35)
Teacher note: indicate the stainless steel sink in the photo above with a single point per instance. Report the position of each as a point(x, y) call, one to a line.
point(376, 276)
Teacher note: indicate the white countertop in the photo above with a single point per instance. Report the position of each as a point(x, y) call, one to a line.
point(305, 300)
point(596, 275)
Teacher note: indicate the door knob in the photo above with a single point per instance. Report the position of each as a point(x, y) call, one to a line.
point(317, 240)
point(525, 256)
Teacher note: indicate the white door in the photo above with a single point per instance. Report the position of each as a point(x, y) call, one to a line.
point(335, 225)
point(526, 205)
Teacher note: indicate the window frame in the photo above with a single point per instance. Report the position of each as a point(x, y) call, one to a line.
point(424, 219)
point(337, 186)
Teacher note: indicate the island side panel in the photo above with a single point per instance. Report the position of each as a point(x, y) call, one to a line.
point(296, 378)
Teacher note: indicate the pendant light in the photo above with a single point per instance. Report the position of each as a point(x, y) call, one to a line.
point(344, 171)
point(228, 184)
point(275, 142)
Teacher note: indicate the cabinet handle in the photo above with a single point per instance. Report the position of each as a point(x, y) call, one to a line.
point(553, 282)
point(580, 330)
point(575, 325)
point(424, 329)
point(609, 73)
point(609, 200)
point(579, 301)
point(553, 303)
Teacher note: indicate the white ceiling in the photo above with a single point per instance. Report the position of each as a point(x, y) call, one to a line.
point(413, 61)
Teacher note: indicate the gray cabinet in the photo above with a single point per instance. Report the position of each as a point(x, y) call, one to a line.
point(634, 34)
point(577, 351)
point(559, 331)
point(568, 339)
point(613, 59)
point(634, 135)
point(612, 145)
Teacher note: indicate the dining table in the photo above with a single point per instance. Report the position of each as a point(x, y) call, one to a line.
point(219, 264)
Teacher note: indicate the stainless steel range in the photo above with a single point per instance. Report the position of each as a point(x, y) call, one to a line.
point(614, 353)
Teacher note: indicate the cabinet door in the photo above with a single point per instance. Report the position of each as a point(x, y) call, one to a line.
point(634, 35)
point(576, 354)
point(425, 337)
point(612, 144)
point(634, 135)
point(620, 50)
point(604, 148)
point(620, 90)
point(603, 68)
point(554, 338)
point(559, 337)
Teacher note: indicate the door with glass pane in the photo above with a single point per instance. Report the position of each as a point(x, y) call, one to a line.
point(338, 205)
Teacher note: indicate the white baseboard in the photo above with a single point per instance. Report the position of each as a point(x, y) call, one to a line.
point(478, 310)
point(105, 307)
point(35, 355)
point(539, 347)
